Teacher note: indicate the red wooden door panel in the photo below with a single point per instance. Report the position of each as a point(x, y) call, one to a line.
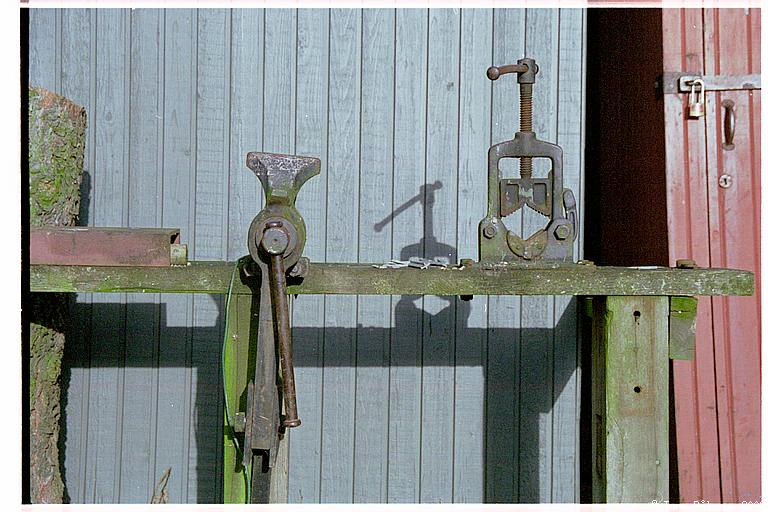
point(717, 396)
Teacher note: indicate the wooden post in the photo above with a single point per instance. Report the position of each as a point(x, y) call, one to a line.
point(235, 378)
point(630, 411)
point(56, 145)
point(239, 363)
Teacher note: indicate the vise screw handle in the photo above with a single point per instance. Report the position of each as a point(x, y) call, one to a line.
point(526, 70)
point(274, 243)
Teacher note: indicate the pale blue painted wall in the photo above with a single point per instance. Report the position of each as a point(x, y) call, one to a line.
point(403, 399)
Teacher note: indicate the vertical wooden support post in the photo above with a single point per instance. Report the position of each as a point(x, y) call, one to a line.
point(241, 357)
point(630, 411)
point(236, 350)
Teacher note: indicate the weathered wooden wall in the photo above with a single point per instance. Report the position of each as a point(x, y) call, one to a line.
point(403, 399)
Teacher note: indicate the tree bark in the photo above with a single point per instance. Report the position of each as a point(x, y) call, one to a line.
point(56, 148)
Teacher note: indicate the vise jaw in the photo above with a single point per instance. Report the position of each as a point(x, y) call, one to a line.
point(553, 243)
point(281, 176)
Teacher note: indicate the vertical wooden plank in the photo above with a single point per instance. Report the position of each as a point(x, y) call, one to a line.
point(210, 239)
point(630, 338)
point(75, 54)
point(137, 443)
point(403, 482)
point(719, 234)
point(278, 484)
point(43, 48)
point(204, 444)
point(730, 48)
point(279, 79)
point(279, 89)
point(600, 326)
point(471, 317)
point(536, 323)
point(174, 406)
point(502, 367)
point(342, 243)
point(694, 381)
point(77, 83)
point(75, 403)
point(567, 338)
point(309, 311)
point(373, 315)
point(101, 475)
point(245, 193)
point(438, 349)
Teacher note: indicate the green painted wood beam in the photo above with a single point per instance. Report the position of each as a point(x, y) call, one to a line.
point(363, 279)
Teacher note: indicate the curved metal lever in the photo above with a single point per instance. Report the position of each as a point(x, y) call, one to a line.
point(494, 72)
point(526, 70)
point(729, 125)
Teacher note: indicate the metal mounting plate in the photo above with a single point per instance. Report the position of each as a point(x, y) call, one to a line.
point(675, 83)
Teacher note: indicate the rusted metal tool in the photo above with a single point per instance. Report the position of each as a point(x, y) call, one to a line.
point(553, 243)
point(112, 247)
point(275, 242)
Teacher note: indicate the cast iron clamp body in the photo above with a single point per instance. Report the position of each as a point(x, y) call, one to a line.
point(553, 243)
point(275, 242)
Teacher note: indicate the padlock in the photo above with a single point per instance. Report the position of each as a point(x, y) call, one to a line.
point(696, 106)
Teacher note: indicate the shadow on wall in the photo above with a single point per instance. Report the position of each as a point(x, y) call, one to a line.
point(507, 473)
point(129, 356)
point(511, 420)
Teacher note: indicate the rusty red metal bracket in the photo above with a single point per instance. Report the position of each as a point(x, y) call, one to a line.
point(137, 247)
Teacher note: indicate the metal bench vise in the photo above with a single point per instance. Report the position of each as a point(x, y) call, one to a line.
point(553, 243)
point(275, 242)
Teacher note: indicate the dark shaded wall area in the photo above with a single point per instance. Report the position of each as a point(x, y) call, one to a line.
point(625, 211)
point(625, 217)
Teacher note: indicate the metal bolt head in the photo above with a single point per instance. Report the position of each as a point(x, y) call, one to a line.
point(275, 240)
point(725, 181)
point(301, 268)
point(489, 231)
point(562, 231)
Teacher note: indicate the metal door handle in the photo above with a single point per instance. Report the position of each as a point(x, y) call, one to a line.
point(729, 125)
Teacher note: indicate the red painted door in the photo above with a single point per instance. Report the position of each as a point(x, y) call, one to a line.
point(715, 220)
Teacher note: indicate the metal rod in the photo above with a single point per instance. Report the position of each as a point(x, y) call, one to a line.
point(283, 327)
point(526, 125)
point(494, 72)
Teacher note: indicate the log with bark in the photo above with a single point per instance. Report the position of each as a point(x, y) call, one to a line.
point(56, 149)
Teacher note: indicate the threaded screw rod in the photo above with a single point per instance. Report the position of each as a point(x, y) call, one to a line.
point(526, 125)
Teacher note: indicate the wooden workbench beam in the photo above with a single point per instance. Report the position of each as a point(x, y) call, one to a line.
point(363, 279)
